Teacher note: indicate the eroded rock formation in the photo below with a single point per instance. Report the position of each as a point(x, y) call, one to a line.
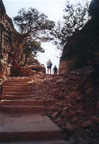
point(11, 49)
point(81, 48)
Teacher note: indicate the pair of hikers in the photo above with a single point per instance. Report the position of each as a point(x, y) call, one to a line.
point(49, 66)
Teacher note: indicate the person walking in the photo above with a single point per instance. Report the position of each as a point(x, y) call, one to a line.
point(49, 66)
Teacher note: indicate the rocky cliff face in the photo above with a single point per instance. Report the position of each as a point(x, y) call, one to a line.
point(82, 47)
point(6, 27)
point(11, 50)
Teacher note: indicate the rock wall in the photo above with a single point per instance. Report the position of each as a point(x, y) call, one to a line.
point(6, 28)
point(63, 67)
point(82, 47)
point(11, 49)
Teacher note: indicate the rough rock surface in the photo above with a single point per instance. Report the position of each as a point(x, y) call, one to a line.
point(73, 109)
point(72, 102)
point(12, 55)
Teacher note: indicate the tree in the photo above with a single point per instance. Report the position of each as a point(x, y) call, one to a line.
point(33, 24)
point(34, 28)
point(75, 18)
point(31, 46)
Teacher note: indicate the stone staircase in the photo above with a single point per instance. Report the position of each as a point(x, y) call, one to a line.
point(23, 120)
point(16, 88)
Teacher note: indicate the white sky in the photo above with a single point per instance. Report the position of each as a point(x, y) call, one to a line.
point(53, 9)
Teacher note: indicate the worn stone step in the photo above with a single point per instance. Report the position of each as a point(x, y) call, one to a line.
point(22, 109)
point(41, 142)
point(12, 85)
point(14, 88)
point(15, 97)
point(28, 128)
point(22, 102)
point(19, 79)
point(17, 92)
point(15, 83)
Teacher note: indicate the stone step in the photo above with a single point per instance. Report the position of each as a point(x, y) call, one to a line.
point(17, 93)
point(15, 83)
point(16, 88)
point(19, 79)
point(22, 102)
point(22, 109)
point(15, 97)
point(16, 128)
point(41, 142)
point(9, 86)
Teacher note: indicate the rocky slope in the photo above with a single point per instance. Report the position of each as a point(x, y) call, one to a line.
point(73, 104)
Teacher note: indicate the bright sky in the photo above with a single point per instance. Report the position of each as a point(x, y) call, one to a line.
point(53, 9)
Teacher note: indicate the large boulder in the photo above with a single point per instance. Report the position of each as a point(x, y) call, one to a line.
point(25, 71)
point(37, 68)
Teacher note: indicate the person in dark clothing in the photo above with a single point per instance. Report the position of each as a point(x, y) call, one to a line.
point(55, 69)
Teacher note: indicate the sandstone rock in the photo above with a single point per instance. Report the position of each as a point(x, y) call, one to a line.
point(88, 130)
point(59, 86)
point(38, 68)
point(65, 115)
point(41, 86)
point(88, 84)
point(59, 120)
point(95, 119)
point(53, 108)
point(63, 68)
point(94, 128)
point(98, 105)
point(68, 87)
point(60, 81)
point(67, 97)
point(55, 115)
point(60, 96)
point(74, 94)
point(71, 112)
point(89, 91)
point(25, 71)
point(74, 119)
point(55, 92)
point(71, 141)
point(70, 128)
point(69, 105)
point(80, 98)
point(81, 140)
point(60, 109)
point(86, 123)
point(65, 109)
point(52, 85)
point(0, 89)
point(85, 83)
point(71, 82)
point(80, 112)
point(82, 83)
point(71, 94)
